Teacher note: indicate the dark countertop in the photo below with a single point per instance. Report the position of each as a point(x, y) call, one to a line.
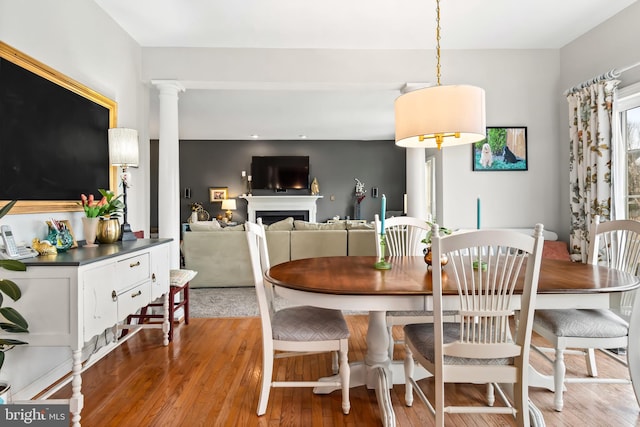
point(82, 256)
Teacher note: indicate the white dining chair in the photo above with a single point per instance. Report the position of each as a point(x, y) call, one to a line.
point(615, 244)
point(484, 269)
point(403, 237)
point(294, 331)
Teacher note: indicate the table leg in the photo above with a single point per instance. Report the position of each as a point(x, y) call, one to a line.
point(165, 318)
point(77, 399)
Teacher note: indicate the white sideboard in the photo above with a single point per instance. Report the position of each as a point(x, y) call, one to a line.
point(281, 203)
point(73, 296)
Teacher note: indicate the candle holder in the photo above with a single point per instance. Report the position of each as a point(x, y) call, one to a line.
point(382, 264)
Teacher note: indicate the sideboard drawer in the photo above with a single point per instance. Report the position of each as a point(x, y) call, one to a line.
point(133, 299)
point(132, 271)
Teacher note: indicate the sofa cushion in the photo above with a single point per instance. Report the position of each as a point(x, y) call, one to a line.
point(239, 227)
point(205, 226)
point(313, 243)
point(304, 225)
point(284, 225)
point(359, 225)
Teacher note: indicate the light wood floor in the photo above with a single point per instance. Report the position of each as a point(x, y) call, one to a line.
point(209, 376)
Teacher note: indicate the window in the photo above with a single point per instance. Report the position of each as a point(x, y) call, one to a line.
point(626, 154)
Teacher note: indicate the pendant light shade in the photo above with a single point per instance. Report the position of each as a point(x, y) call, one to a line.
point(440, 115)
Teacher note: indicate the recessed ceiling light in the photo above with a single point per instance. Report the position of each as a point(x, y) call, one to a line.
point(254, 136)
point(302, 136)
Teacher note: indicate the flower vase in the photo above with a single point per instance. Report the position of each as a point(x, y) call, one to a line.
point(90, 229)
point(108, 230)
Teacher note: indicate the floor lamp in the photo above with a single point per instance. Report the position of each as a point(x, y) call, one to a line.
point(123, 152)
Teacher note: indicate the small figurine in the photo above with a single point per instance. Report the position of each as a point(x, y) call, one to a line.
point(315, 188)
point(43, 247)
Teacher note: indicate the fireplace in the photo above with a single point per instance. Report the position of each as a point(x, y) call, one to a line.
point(269, 217)
point(275, 208)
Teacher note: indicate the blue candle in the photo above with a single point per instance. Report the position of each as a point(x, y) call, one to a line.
point(383, 209)
point(478, 213)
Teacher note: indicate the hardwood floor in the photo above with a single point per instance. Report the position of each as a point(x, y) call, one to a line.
point(209, 376)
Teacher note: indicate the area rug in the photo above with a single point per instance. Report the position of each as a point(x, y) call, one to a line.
point(229, 302)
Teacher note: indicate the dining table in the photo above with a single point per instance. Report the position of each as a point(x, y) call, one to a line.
point(353, 283)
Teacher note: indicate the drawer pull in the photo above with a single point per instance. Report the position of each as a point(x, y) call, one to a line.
point(153, 277)
point(137, 294)
point(114, 296)
point(134, 265)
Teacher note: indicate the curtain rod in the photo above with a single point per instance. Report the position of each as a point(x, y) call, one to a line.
point(611, 74)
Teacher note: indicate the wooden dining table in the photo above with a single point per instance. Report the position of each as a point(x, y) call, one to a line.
point(352, 283)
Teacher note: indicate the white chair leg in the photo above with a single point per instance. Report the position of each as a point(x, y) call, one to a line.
point(491, 395)
point(590, 359)
point(439, 400)
point(391, 341)
point(267, 372)
point(559, 369)
point(521, 402)
point(334, 362)
point(408, 375)
point(345, 373)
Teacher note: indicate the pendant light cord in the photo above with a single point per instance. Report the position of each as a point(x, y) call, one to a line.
point(438, 41)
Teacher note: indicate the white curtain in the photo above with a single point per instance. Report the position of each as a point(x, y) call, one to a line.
point(590, 110)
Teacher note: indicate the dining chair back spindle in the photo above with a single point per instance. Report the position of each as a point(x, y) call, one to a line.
point(485, 269)
point(294, 331)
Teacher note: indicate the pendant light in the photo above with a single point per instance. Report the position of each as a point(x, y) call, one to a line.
point(440, 116)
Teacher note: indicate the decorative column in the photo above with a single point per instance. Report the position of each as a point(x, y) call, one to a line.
point(416, 192)
point(169, 167)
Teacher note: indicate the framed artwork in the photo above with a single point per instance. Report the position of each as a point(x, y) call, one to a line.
point(504, 149)
point(218, 194)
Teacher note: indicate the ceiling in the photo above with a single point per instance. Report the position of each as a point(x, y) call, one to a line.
point(320, 113)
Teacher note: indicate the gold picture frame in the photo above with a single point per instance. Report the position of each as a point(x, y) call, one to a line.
point(218, 194)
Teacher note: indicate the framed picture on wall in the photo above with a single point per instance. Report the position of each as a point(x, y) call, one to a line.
point(218, 194)
point(504, 149)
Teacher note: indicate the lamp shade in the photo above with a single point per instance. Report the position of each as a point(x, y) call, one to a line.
point(229, 204)
point(440, 116)
point(123, 147)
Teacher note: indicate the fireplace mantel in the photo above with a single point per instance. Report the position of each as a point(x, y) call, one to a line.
point(281, 203)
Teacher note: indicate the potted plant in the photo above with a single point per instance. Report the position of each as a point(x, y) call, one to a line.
point(444, 231)
point(111, 207)
point(13, 321)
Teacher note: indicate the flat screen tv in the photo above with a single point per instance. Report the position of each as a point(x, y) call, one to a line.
point(280, 172)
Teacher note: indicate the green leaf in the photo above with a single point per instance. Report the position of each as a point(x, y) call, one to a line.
point(13, 265)
point(6, 208)
point(16, 319)
point(4, 342)
point(10, 289)
point(1, 359)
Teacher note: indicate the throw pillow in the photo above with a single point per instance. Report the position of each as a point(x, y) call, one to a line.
point(353, 225)
point(239, 227)
point(205, 226)
point(284, 225)
point(304, 225)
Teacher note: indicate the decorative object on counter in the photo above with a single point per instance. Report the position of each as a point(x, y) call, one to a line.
point(315, 187)
point(200, 213)
point(249, 185)
point(123, 152)
point(359, 197)
point(218, 194)
point(244, 181)
point(60, 235)
point(109, 230)
point(43, 247)
point(90, 229)
point(382, 263)
point(14, 322)
point(229, 205)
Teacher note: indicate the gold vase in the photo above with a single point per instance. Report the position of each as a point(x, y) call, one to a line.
point(108, 230)
point(428, 258)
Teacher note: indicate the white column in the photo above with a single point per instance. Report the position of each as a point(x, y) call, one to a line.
point(169, 167)
point(416, 193)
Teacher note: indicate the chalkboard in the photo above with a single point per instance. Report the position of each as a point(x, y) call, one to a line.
point(53, 140)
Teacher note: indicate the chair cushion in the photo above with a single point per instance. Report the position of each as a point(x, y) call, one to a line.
point(422, 337)
point(309, 324)
point(581, 323)
point(181, 277)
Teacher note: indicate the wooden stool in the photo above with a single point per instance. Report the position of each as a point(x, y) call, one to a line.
point(178, 285)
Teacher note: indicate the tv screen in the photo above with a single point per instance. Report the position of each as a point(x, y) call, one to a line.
point(280, 172)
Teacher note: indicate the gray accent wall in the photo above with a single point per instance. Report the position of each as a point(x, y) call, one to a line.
point(335, 164)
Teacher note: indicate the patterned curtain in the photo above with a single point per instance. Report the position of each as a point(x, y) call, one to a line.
point(590, 111)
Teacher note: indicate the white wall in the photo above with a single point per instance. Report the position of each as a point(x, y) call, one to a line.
point(613, 44)
point(76, 38)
